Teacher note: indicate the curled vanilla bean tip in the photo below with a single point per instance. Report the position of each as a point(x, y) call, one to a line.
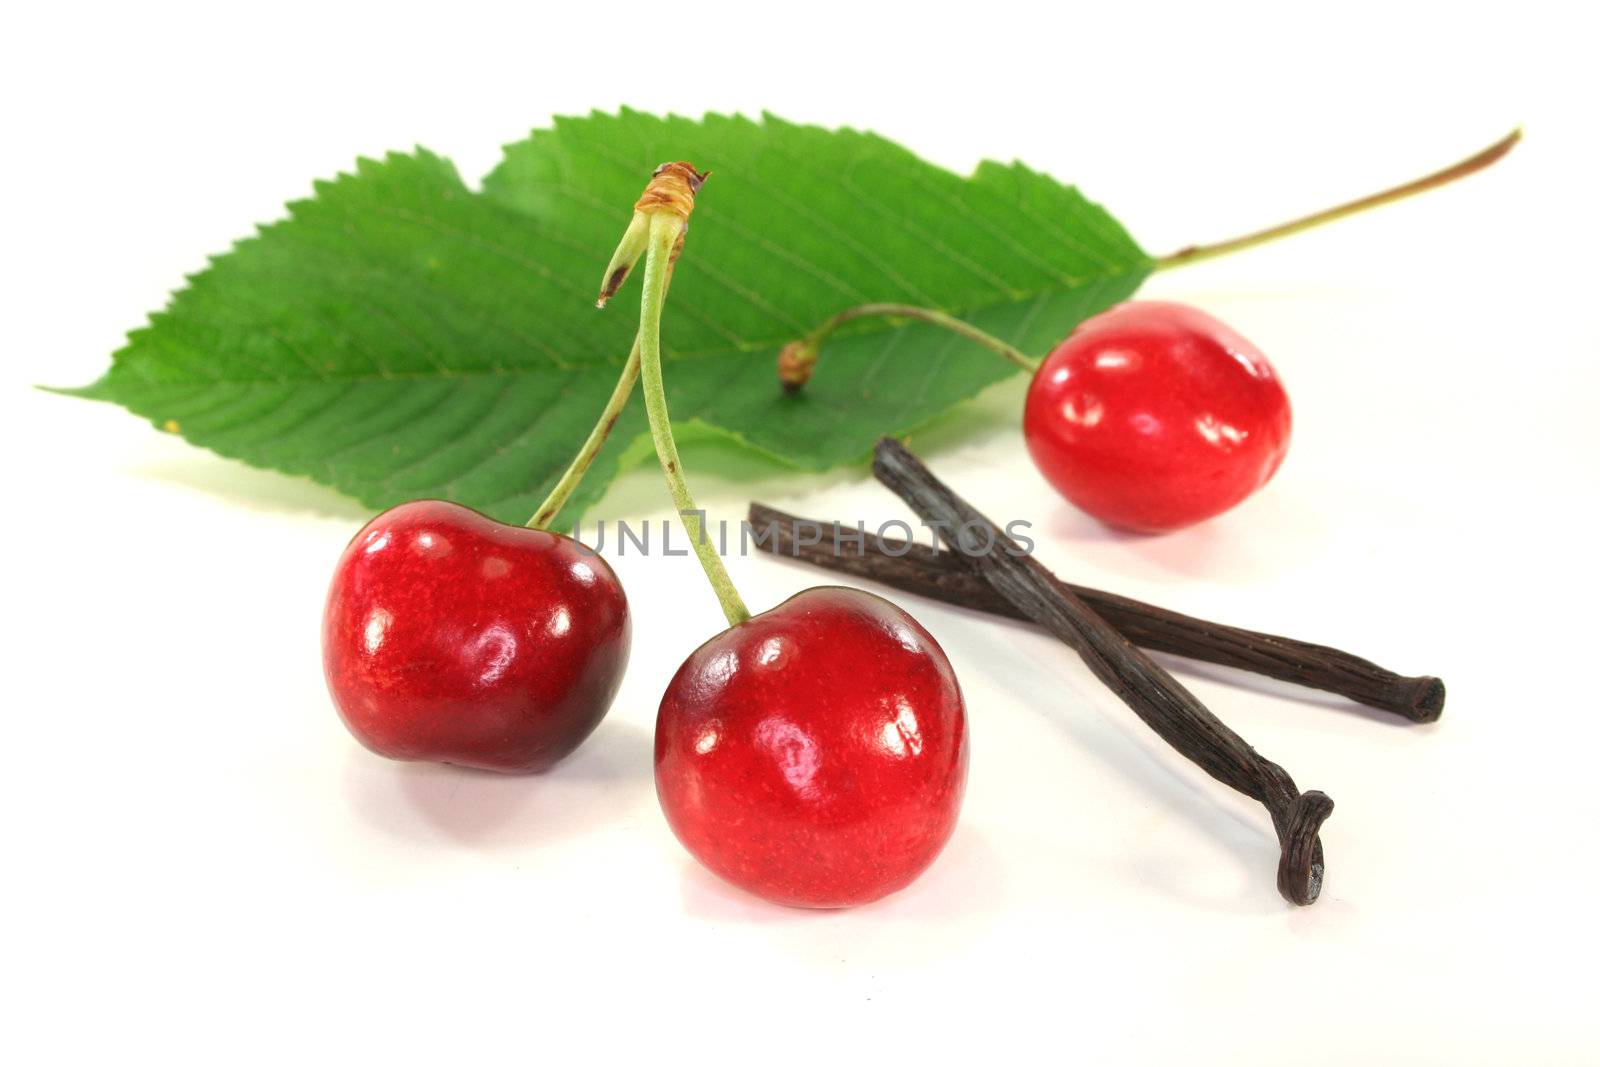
point(1300, 867)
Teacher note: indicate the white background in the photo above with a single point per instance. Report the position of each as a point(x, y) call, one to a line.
point(203, 866)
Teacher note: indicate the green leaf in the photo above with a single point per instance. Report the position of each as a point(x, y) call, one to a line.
point(399, 335)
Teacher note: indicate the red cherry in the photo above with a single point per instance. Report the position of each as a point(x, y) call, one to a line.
point(816, 754)
point(451, 637)
point(1153, 416)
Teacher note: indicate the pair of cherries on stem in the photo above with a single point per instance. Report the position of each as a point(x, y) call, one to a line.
point(814, 754)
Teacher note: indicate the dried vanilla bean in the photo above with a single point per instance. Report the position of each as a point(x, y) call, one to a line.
point(1168, 708)
point(940, 575)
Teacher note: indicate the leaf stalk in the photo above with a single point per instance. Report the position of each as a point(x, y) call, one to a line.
point(1471, 165)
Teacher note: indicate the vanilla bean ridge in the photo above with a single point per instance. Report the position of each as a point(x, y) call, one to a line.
point(1153, 694)
point(940, 575)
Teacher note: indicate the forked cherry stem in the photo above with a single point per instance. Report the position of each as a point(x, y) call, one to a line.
point(661, 192)
point(671, 191)
point(655, 233)
point(797, 359)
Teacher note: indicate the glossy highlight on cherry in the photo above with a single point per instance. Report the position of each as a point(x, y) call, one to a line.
point(451, 637)
point(816, 754)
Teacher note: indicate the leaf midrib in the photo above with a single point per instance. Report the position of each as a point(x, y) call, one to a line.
point(867, 327)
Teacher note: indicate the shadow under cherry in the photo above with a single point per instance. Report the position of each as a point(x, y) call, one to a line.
point(608, 780)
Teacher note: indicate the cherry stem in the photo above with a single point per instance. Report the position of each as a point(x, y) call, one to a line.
point(1470, 165)
point(665, 229)
point(937, 318)
point(591, 448)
